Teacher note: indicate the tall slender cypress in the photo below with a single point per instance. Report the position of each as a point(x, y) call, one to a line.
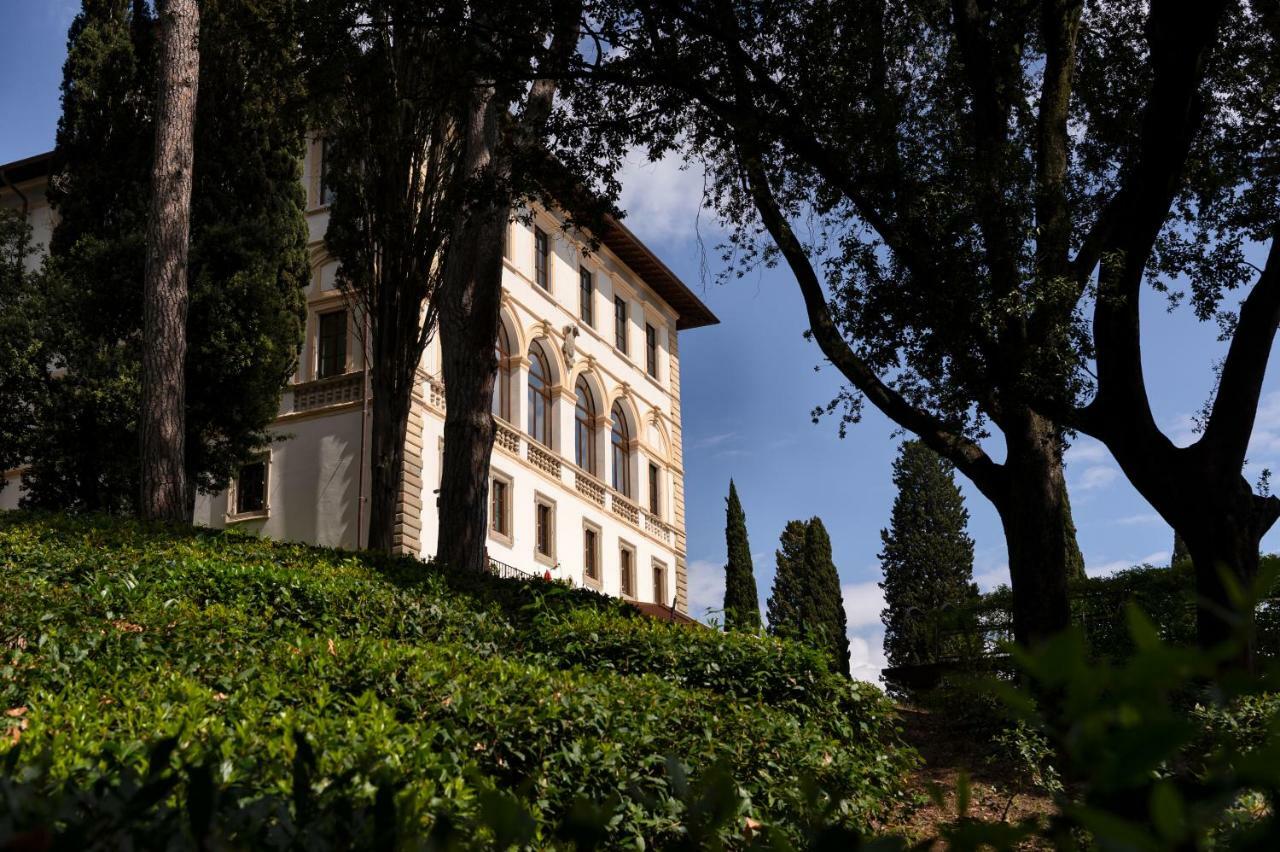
point(807, 603)
point(927, 560)
point(741, 604)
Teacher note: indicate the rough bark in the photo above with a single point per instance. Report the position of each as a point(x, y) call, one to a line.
point(392, 389)
point(471, 297)
point(162, 422)
point(1037, 528)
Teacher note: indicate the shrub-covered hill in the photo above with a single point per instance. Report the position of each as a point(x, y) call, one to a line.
point(161, 683)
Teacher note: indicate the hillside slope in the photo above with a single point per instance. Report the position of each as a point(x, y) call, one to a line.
point(297, 695)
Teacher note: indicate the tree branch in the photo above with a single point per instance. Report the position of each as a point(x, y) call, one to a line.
point(1235, 408)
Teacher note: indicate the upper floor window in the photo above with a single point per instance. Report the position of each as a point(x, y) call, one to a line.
point(544, 529)
point(539, 396)
point(541, 258)
point(584, 445)
point(586, 294)
point(620, 323)
point(655, 492)
point(506, 241)
point(651, 350)
point(326, 189)
point(331, 351)
point(621, 452)
point(502, 382)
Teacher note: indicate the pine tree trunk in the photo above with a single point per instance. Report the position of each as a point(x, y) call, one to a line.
point(471, 298)
point(162, 421)
point(1036, 529)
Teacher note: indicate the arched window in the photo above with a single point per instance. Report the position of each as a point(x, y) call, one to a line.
point(584, 439)
point(539, 396)
point(621, 440)
point(502, 382)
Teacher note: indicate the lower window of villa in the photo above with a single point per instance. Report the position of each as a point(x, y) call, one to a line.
point(251, 488)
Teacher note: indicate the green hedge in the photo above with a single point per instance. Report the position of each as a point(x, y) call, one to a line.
point(305, 686)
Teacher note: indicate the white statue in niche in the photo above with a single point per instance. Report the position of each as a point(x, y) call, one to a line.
point(570, 346)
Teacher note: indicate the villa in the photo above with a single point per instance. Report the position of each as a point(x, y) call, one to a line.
point(587, 469)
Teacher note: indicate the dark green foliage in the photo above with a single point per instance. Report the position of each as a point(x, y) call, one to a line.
point(22, 338)
point(927, 562)
point(448, 690)
point(248, 249)
point(1180, 552)
point(1165, 595)
point(741, 604)
point(806, 602)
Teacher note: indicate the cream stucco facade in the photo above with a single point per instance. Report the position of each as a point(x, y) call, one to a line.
point(584, 493)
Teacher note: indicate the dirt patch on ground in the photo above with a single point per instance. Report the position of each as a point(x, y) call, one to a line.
point(997, 790)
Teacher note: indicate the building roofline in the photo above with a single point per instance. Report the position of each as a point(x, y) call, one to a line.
point(690, 310)
point(20, 171)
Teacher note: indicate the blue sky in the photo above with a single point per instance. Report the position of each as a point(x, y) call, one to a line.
point(750, 383)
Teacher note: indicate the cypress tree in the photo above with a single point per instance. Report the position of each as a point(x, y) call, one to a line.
point(927, 559)
point(741, 605)
point(248, 258)
point(806, 602)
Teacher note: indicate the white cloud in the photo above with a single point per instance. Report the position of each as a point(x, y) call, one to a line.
point(1085, 451)
point(989, 579)
point(1093, 478)
point(1143, 518)
point(1265, 440)
point(662, 199)
point(866, 657)
point(706, 589)
point(1104, 569)
point(708, 441)
point(862, 603)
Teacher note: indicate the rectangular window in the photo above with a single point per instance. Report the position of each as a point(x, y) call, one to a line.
point(544, 530)
point(655, 504)
point(659, 582)
point(500, 508)
point(506, 241)
point(591, 554)
point(326, 191)
point(626, 571)
point(541, 259)
point(251, 488)
point(586, 293)
point(651, 350)
point(620, 323)
point(331, 359)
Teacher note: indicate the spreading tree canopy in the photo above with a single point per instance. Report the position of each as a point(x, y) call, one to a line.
point(22, 338)
point(806, 602)
point(927, 560)
point(248, 258)
point(741, 605)
point(957, 187)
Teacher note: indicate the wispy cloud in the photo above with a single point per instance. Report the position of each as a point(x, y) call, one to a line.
point(1104, 569)
point(663, 200)
point(1139, 519)
point(706, 442)
point(1087, 451)
point(866, 656)
point(1096, 477)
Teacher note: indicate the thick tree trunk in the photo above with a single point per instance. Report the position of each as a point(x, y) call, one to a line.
point(392, 401)
point(1037, 529)
point(471, 297)
point(162, 421)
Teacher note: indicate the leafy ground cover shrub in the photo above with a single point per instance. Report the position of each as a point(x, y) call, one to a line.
point(161, 682)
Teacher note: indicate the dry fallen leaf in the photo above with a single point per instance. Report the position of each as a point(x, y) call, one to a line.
point(15, 712)
point(332, 650)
